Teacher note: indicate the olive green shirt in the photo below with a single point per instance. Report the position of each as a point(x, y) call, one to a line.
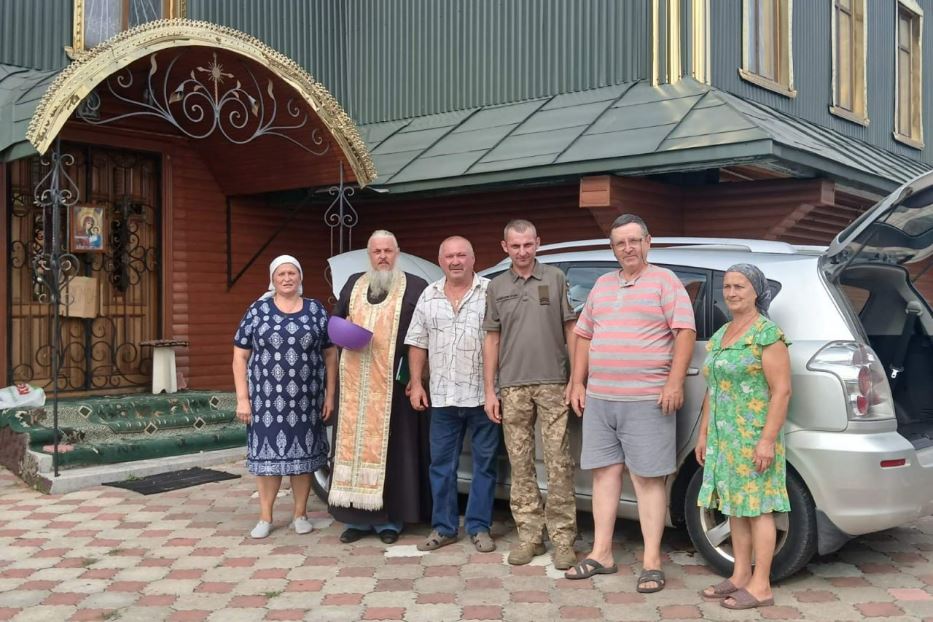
point(529, 315)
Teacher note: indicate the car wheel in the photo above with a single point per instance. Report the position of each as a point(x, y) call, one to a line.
point(710, 530)
point(320, 479)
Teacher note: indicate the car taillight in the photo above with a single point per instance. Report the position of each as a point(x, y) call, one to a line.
point(862, 376)
point(864, 380)
point(864, 394)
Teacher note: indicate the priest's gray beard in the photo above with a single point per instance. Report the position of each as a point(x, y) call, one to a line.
point(381, 281)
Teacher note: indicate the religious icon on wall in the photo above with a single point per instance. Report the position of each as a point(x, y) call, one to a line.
point(87, 229)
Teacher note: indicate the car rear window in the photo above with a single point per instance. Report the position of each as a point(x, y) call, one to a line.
point(582, 276)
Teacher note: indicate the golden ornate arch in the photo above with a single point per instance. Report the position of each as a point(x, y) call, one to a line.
point(77, 81)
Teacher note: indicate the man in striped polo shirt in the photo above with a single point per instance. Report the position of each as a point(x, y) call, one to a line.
point(635, 337)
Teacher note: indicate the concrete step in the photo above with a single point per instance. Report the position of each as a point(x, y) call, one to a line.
point(73, 479)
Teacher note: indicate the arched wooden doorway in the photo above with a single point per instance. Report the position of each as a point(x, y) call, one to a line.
point(253, 120)
point(113, 304)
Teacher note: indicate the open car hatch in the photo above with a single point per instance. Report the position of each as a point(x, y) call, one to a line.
point(898, 230)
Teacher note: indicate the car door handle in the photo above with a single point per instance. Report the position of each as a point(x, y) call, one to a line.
point(693, 371)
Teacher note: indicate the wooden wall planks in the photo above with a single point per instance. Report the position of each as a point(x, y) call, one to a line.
point(201, 308)
point(421, 223)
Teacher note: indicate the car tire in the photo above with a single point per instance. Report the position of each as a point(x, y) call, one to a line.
point(796, 538)
point(320, 479)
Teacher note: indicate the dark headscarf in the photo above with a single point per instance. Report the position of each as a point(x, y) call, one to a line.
point(760, 284)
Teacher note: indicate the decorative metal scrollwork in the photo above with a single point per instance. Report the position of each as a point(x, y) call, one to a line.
point(199, 105)
point(22, 252)
point(341, 217)
point(52, 268)
point(128, 258)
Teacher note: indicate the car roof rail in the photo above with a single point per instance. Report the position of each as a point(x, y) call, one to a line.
point(811, 249)
point(753, 246)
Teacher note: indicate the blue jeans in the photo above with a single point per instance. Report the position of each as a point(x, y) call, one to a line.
point(448, 426)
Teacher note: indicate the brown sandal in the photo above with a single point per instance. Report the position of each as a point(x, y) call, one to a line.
point(436, 541)
point(742, 599)
point(720, 590)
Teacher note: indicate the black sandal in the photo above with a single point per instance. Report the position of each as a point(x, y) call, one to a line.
point(589, 567)
point(650, 576)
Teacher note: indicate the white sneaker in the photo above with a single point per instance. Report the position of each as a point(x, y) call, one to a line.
point(261, 530)
point(302, 525)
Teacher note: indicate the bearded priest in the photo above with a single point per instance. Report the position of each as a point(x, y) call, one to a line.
point(380, 476)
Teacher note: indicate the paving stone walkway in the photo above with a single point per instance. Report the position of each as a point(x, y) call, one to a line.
point(109, 554)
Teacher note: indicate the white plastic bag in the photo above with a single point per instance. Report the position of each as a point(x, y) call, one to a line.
point(21, 396)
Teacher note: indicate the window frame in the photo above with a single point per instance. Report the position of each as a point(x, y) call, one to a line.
point(915, 138)
point(858, 63)
point(666, 42)
point(170, 9)
point(700, 67)
point(783, 44)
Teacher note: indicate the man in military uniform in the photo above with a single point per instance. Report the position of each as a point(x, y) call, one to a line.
point(529, 324)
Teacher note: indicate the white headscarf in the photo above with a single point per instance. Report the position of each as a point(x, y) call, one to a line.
point(278, 261)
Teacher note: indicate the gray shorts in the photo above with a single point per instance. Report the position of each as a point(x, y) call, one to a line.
point(636, 434)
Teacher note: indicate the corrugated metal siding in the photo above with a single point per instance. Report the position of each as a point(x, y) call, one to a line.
point(21, 21)
point(686, 36)
point(312, 33)
point(392, 59)
point(813, 69)
point(427, 56)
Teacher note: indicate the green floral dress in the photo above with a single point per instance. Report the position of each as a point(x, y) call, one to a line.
point(738, 407)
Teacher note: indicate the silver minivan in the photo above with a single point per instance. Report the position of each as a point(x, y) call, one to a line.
point(859, 433)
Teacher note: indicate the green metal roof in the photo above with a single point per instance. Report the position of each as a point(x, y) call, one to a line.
point(632, 128)
point(20, 92)
point(629, 129)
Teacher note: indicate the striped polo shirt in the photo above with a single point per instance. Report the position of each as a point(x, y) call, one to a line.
point(630, 325)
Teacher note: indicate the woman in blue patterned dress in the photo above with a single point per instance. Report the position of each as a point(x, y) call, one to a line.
point(285, 372)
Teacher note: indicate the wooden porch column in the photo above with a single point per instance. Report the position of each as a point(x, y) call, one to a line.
point(608, 196)
point(5, 208)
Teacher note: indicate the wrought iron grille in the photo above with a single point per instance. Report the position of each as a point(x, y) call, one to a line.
point(100, 348)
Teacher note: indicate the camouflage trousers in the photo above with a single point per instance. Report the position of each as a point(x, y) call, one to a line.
point(521, 408)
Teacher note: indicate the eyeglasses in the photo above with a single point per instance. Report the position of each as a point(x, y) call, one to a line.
point(630, 242)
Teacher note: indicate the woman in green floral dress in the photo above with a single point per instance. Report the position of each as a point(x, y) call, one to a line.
point(741, 443)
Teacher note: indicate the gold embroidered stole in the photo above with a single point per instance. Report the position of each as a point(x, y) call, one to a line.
point(366, 380)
